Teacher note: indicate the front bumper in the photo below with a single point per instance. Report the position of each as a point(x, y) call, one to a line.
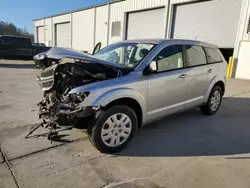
point(60, 114)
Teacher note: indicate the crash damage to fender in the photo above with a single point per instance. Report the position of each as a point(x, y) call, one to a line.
point(63, 70)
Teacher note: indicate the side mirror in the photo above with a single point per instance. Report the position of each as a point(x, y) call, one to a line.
point(152, 68)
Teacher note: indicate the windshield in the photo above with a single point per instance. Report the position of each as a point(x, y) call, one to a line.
point(128, 54)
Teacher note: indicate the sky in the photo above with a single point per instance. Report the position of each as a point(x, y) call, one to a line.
point(22, 12)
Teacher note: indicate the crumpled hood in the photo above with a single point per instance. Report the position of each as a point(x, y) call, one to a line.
point(59, 53)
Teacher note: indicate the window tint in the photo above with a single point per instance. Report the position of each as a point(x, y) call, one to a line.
point(22, 41)
point(7, 40)
point(16, 41)
point(213, 56)
point(170, 58)
point(195, 56)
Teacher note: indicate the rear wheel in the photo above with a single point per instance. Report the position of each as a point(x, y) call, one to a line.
point(114, 129)
point(213, 102)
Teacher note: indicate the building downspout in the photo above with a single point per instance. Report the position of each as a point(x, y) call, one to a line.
point(71, 30)
point(167, 10)
point(94, 35)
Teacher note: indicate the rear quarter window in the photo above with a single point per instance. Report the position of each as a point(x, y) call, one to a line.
point(213, 55)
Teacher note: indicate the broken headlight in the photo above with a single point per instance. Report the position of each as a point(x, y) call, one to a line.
point(77, 97)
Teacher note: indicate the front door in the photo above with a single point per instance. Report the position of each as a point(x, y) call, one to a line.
point(167, 88)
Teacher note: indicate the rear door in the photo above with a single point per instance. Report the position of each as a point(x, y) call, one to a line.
point(215, 63)
point(197, 71)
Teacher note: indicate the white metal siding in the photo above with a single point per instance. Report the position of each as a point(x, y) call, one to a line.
point(48, 32)
point(243, 68)
point(83, 30)
point(242, 28)
point(39, 23)
point(101, 31)
point(212, 21)
point(118, 10)
point(63, 35)
point(242, 49)
point(146, 24)
point(40, 34)
point(62, 18)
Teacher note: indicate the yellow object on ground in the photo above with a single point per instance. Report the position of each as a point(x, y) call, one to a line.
point(229, 67)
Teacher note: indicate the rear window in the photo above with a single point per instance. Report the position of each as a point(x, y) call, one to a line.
point(212, 55)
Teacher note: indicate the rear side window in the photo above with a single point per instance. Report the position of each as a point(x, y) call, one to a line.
point(212, 55)
point(23, 41)
point(195, 56)
point(170, 58)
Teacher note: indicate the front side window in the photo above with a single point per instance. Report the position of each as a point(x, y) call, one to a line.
point(128, 54)
point(212, 55)
point(170, 58)
point(195, 56)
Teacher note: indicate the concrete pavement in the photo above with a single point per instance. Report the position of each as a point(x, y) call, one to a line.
point(183, 150)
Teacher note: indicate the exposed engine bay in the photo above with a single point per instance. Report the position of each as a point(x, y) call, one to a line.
point(58, 77)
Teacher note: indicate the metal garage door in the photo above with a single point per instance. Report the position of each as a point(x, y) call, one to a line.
point(40, 34)
point(146, 24)
point(215, 22)
point(63, 35)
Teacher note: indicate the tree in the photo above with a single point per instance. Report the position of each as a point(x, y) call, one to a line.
point(7, 28)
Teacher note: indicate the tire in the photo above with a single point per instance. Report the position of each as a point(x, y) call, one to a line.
point(119, 136)
point(208, 108)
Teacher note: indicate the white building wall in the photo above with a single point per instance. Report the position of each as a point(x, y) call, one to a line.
point(241, 63)
point(102, 23)
point(48, 31)
point(118, 10)
point(83, 30)
point(62, 18)
point(37, 24)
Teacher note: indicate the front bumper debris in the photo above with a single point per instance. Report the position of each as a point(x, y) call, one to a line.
point(58, 117)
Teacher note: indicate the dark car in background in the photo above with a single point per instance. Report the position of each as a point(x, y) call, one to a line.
point(38, 44)
point(19, 47)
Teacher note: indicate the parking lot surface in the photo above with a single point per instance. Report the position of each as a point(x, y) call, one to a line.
point(183, 150)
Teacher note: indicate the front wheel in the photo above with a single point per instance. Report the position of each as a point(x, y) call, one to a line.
point(213, 102)
point(113, 130)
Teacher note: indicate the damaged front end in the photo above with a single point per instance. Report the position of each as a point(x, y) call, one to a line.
point(63, 70)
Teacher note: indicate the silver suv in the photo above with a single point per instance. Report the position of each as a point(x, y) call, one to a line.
point(125, 85)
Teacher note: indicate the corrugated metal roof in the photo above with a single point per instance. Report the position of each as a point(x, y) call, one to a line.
point(81, 9)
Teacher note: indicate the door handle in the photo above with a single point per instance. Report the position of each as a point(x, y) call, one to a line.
point(210, 70)
point(183, 76)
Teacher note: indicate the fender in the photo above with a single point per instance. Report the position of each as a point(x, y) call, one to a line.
point(120, 93)
point(103, 99)
point(211, 85)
